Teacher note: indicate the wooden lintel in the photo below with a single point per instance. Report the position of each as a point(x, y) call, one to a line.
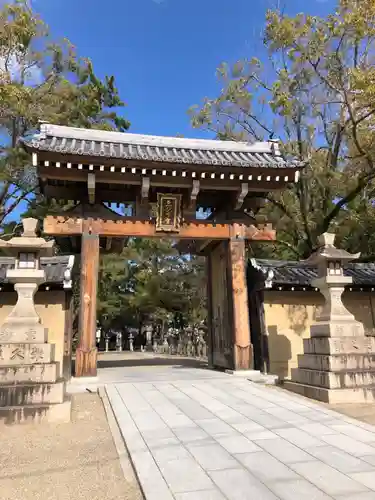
point(145, 189)
point(124, 227)
point(91, 187)
point(242, 195)
point(129, 179)
point(194, 193)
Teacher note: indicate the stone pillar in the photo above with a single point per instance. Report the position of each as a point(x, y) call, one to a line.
point(29, 388)
point(338, 362)
point(86, 354)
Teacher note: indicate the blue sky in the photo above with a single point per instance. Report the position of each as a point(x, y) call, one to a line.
point(164, 53)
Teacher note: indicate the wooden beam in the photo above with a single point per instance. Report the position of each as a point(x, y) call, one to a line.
point(178, 182)
point(119, 163)
point(129, 226)
point(86, 354)
point(91, 187)
point(145, 189)
point(242, 195)
point(194, 193)
point(78, 191)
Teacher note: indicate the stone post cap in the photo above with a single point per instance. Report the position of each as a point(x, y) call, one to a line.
point(30, 226)
point(327, 239)
point(29, 241)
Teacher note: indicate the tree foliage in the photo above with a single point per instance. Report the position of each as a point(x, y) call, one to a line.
point(316, 92)
point(150, 281)
point(41, 79)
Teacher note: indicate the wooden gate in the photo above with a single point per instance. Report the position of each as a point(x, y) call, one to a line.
point(220, 310)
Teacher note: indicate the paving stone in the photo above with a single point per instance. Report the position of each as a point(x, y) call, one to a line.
point(357, 496)
point(297, 489)
point(177, 420)
point(239, 484)
point(215, 427)
point(284, 451)
point(366, 478)
point(191, 434)
point(212, 456)
point(184, 475)
point(327, 479)
point(193, 410)
point(287, 415)
point(249, 438)
point(248, 426)
point(349, 445)
point(340, 460)
point(152, 482)
point(257, 436)
point(265, 467)
point(237, 444)
point(149, 421)
point(355, 432)
point(369, 459)
point(231, 417)
point(169, 453)
point(316, 429)
point(200, 495)
point(269, 421)
point(299, 438)
point(155, 443)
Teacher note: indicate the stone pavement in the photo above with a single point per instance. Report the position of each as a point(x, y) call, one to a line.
point(199, 435)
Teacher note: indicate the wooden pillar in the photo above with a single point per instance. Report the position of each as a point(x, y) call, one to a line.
point(243, 351)
point(210, 353)
point(86, 355)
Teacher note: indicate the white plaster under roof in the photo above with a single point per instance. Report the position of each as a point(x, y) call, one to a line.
point(60, 131)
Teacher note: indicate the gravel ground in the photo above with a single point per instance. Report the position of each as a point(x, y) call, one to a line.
point(364, 412)
point(76, 461)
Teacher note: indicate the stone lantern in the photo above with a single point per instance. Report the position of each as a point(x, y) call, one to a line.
point(30, 389)
point(23, 324)
point(334, 320)
point(338, 361)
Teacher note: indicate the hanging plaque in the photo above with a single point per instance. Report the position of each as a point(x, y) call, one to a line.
point(168, 217)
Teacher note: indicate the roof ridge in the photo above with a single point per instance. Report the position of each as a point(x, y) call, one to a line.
point(62, 131)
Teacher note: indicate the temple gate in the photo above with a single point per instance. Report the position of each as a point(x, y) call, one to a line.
point(162, 182)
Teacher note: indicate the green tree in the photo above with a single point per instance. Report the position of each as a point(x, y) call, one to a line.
point(150, 281)
point(316, 92)
point(43, 80)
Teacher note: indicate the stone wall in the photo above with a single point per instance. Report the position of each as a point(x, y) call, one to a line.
point(289, 315)
point(52, 307)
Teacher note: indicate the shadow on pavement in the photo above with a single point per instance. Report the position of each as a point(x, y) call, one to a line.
point(154, 361)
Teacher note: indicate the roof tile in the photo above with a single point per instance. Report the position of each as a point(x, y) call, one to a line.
point(101, 144)
point(289, 273)
point(55, 268)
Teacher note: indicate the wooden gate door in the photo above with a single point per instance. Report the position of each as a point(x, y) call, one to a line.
point(220, 309)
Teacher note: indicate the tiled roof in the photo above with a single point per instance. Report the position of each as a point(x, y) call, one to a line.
point(287, 273)
point(58, 269)
point(103, 144)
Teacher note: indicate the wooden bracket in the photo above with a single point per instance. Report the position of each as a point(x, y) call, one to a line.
point(194, 193)
point(145, 190)
point(91, 188)
point(108, 244)
point(242, 195)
